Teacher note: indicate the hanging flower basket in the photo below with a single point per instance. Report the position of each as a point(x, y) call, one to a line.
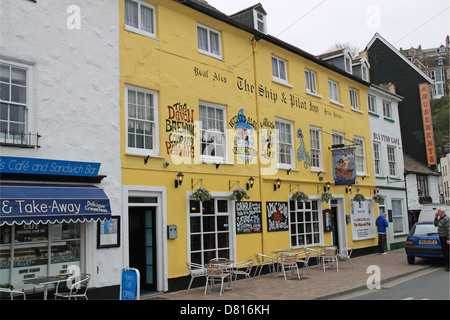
point(300, 196)
point(7, 286)
point(239, 194)
point(378, 199)
point(359, 197)
point(326, 196)
point(201, 194)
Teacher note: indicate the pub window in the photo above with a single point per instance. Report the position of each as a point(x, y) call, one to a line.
point(279, 71)
point(209, 41)
point(360, 159)
point(310, 77)
point(210, 233)
point(285, 145)
point(304, 223)
point(212, 132)
point(316, 148)
point(142, 121)
point(377, 158)
point(354, 102)
point(140, 17)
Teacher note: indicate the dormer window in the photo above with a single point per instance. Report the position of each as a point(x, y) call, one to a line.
point(260, 21)
point(348, 64)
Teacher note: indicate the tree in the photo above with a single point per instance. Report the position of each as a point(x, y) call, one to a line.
point(440, 113)
point(354, 50)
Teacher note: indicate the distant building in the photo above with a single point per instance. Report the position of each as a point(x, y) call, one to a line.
point(434, 62)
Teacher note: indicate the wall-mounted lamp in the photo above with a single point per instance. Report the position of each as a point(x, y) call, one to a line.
point(250, 183)
point(179, 179)
point(327, 187)
point(348, 189)
point(376, 190)
point(146, 160)
point(277, 185)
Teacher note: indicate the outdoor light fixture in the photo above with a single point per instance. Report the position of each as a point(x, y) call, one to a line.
point(277, 185)
point(179, 179)
point(348, 189)
point(327, 187)
point(250, 183)
point(146, 160)
point(376, 190)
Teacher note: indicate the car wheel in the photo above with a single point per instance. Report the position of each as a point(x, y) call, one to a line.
point(411, 259)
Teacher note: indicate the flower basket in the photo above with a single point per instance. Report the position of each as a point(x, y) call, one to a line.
point(201, 194)
point(378, 199)
point(359, 197)
point(239, 194)
point(7, 286)
point(300, 196)
point(326, 196)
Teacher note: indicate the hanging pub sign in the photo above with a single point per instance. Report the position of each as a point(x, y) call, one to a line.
point(248, 217)
point(277, 216)
point(344, 166)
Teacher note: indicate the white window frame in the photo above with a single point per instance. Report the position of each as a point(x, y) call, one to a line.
point(387, 109)
point(155, 138)
point(288, 144)
point(365, 73)
point(377, 159)
point(260, 18)
point(354, 100)
point(305, 224)
point(348, 64)
point(29, 111)
point(208, 51)
point(281, 64)
point(311, 82)
point(333, 89)
point(216, 132)
point(392, 160)
point(197, 213)
point(372, 103)
point(398, 225)
point(139, 29)
point(315, 138)
point(338, 137)
point(360, 156)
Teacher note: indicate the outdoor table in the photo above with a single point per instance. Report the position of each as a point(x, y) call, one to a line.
point(45, 281)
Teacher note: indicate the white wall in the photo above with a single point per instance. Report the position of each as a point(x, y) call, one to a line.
point(72, 48)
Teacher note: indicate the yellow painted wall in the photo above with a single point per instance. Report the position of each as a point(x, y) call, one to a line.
point(172, 66)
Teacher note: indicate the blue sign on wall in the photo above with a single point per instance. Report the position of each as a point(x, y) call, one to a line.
point(130, 284)
point(48, 166)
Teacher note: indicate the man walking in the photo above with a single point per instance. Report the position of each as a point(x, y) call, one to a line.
point(442, 222)
point(381, 224)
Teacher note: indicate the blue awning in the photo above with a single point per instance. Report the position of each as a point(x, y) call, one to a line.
point(33, 203)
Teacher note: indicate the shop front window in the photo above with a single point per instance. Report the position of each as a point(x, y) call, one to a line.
point(304, 223)
point(37, 250)
point(210, 231)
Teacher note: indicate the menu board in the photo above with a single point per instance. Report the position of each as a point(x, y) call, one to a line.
point(277, 216)
point(363, 223)
point(248, 217)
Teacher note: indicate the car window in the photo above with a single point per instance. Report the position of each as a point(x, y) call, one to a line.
point(423, 230)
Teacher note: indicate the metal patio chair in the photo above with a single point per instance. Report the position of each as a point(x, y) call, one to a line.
point(77, 289)
point(261, 261)
point(195, 270)
point(244, 268)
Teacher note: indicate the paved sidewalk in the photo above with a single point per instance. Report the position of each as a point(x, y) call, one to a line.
point(316, 284)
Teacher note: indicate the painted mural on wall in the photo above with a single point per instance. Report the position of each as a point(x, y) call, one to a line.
point(277, 216)
point(248, 217)
point(243, 141)
point(344, 166)
point(181, 128)
point(302, 153)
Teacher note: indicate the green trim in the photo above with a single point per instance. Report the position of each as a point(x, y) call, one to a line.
point(374, 114)
point(389, 119)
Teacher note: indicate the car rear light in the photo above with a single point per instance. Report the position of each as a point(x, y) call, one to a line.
point(409, 244)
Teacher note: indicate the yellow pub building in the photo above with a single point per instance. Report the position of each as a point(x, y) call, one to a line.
point(211, 104)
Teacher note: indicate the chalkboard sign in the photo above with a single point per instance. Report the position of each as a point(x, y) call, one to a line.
point(277, 216)
point(130, 284)
point(248, 217)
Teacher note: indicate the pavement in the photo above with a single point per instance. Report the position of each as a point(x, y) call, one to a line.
point(313, 284)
